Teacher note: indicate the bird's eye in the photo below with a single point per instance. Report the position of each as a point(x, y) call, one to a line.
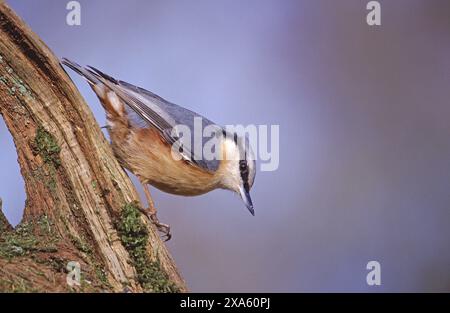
point(242, 164)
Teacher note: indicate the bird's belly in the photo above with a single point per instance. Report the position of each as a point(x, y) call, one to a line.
point(153, 163)
point(180, 179)
point(180, 188)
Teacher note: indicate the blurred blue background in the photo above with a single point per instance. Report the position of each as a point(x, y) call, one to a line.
point(364, 132)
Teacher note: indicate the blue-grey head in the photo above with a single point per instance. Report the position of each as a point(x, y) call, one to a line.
point(238, 173)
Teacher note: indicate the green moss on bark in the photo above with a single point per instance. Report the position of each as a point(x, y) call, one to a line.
point(23, 240)
point(134, 236)
point(47, 147)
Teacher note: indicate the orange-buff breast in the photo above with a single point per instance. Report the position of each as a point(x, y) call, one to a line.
point(147, 155)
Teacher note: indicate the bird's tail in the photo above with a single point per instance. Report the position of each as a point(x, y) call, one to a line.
point(80, 70)
point(101, 84)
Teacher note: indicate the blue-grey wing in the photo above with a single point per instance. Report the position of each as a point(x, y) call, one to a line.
point(145, 108)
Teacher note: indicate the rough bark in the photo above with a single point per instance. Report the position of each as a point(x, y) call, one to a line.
point(81, 205)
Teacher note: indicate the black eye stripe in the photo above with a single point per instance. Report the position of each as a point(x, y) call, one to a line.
point(243, 168)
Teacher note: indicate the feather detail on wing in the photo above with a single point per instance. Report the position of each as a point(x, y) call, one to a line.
point(147, 108)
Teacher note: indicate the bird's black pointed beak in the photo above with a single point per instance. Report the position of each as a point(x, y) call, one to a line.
point(245, 195)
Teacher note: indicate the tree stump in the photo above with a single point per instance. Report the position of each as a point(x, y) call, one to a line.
point(81, 206)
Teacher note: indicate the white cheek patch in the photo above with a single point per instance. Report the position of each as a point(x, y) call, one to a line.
point(115, 102)
point(231, 152)
point(232, 177)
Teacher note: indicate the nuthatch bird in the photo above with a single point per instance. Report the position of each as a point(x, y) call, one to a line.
point(141, 124)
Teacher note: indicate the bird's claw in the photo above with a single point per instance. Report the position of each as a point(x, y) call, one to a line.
point(163, 228)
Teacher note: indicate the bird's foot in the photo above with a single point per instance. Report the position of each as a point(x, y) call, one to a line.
point(163, 228)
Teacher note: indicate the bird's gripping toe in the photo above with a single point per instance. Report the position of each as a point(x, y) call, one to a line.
point(163, 228)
